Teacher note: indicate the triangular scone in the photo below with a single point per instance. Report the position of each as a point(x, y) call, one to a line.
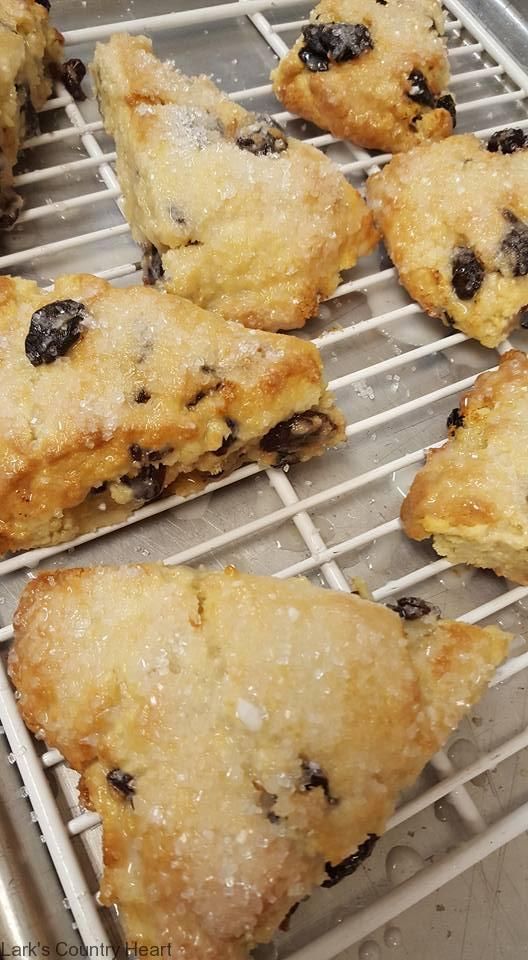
point(251, 223)
point(471, 494)
point(371, 71)
point(146, 392)
point(29, 45)
point(235, 733)
point(454, 216)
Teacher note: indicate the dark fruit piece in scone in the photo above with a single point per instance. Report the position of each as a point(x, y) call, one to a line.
point(314, 777)
point(316, 63)
point(44, 3)
point(10, 206)
point(514, 247)
point(419, 90)
point(333, 41)
point(264, 137)
point(508, 141)
point(412, 608)
point(142, 396)
point(446, 102)
point(152, 266)
point(123, 782)
point(148, 483)
point(53, 330)
point(72, 74)
point(455, 420)
point(350, 864)
point(229, 440)
point(467, 273)
point(299, 430)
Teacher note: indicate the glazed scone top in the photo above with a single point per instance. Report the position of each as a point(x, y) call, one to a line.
point(457, 195)
point(222, 693)
point(364, 99)
point(259, 236)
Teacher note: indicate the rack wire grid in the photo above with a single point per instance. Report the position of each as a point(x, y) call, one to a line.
point(396, 374)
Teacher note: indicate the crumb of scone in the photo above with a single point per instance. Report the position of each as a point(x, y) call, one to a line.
point(29, 49)
point(454, 216)
point(470, 496)
point(244, 739)
point(115, 396)
point(372, 72)
point(243, 219)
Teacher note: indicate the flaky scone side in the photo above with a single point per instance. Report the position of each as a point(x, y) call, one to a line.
point(181, 696)
point(29, 47)
point(454, 216)
point(375, 73)
point(114, 396)
point(471, 494)
point(248, 222)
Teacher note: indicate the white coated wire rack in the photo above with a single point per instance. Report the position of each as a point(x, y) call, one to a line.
point(395, 375)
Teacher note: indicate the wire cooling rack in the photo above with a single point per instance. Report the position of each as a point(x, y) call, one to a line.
point(395, 375)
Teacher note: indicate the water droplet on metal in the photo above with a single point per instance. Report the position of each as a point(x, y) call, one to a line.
point(392, 937)
point(402, 863)
point(369, 950)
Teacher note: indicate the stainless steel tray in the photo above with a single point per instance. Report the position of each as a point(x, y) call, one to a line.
point(445, 869)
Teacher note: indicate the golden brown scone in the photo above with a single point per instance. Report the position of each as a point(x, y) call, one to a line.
point(371, 71)
point(236, 734)
point(454, 216)
point(111, 396)
point(471, 494)
point(29, 46)
point(250, 223)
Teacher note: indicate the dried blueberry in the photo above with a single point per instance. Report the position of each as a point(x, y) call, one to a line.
point(419, 90)
point(455, 419)
point(298, 431)
point(514, 247)
point(467, 273)
point(312, 777)
point(263, 137)
point(412, 608)
point(123, 782)
point(73, 73)
point(136, 452)
point(152, 266)
point(148, 483)
point(10, 207)
point(229, 440)
point(446, 102)
point(53, 330)
point(315, 62)
point(383, 3)
point(508, 141)
point(337, 41)
point(350, 864)
point(142, 396)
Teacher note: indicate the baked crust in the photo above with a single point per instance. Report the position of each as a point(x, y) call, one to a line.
point(268, 727)
point(155, 394)
point(260, 238)
point(471, 494)
point(365, 99)
point(29, 46)
point(455, 196)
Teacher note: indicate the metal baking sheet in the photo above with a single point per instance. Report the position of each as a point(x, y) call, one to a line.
point(395, 405)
